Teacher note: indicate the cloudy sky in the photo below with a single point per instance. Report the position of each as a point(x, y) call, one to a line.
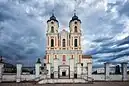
point(105, 27)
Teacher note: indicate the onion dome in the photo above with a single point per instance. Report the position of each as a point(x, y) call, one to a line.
point(38, 61)
point(75, 17)
point(52, 18)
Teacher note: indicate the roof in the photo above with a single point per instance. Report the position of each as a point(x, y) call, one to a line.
point(86, 57)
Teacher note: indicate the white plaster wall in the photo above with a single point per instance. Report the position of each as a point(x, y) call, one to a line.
point(32, 77)
point(85, 61)
point(27, 77)
point(13, 77)
point(115, 77)
point(111, 77)
point(98, 77)
point(100, 70)
point(9, 78)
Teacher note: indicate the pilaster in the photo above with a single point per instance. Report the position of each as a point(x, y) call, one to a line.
point(107, 71)
point(124, 71)
point(1, 71)
point(37, 69)
point(19, 71)
point(71, 68)
point(55, 68)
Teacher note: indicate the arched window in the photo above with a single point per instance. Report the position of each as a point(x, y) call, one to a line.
point(75, 22)
point(63, 42)
point(52, 42)
point(52, 29)
point(75, 42)
point(75, 29)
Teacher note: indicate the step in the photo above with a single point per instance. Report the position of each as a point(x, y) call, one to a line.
point(50, 81)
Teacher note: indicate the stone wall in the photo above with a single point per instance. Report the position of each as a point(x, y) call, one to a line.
point(27, 77)
point(98, 77)
point(101, 77)
point(10, 77)
point(115, 77)
point(18, 77)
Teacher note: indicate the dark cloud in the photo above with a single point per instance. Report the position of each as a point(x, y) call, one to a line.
point(126, 54)
point(124, 41)
point(108, 59)
point(102, 39)
point(23, 26)
point(21, 37)
point(125, 9)
point(106, 49)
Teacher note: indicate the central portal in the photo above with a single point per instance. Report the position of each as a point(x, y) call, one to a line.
point(64, 71)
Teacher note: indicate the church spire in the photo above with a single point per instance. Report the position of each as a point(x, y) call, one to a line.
point(75, 12)
point(75, 17)
point(53, 12)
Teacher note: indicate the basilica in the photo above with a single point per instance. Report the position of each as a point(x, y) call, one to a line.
point(64, 58)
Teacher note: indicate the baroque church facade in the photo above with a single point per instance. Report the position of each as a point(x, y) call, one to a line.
point(64, 58)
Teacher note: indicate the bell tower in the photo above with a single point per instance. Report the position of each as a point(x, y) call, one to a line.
point(52, 25)
point(64, 57)
point(75, 32)
point(52, 33)
point(52, 37)
point(75, 37)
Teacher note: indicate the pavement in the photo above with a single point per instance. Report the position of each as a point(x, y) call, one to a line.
point(94, 84)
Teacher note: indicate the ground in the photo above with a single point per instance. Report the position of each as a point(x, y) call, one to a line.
point(94, 84)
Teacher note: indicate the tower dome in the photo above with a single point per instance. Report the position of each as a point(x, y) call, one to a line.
point(75, 17)
point(53, 18)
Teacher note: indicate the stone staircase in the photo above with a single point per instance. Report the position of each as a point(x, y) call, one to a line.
point(44, 80)
point(59, 81)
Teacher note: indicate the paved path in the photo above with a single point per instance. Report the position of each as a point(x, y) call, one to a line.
point(94, 84)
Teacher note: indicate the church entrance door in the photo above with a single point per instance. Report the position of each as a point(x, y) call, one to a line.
point(64, 71)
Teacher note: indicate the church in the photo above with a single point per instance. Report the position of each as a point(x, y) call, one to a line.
point(64, 58)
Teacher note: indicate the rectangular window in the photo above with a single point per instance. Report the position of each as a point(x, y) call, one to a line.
point(64, 58)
